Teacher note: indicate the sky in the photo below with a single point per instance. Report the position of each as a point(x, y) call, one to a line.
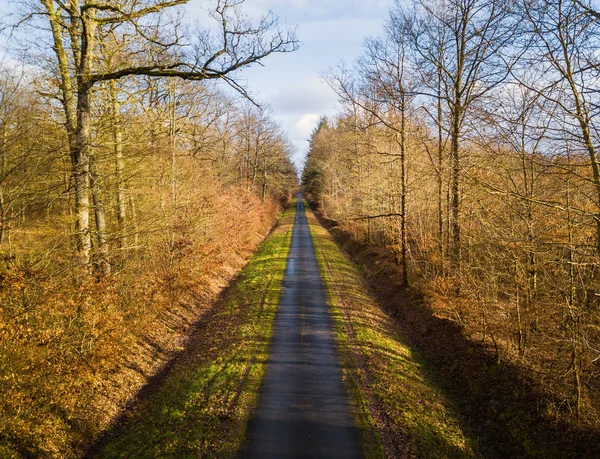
point(330, 32)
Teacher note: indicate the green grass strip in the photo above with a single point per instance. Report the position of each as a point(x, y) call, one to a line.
point(398, 408)
point(202, 407)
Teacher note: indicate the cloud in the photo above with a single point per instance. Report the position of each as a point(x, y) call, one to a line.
point(306, 124)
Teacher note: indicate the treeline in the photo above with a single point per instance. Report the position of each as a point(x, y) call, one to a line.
point(468, 149)
point(131, 191)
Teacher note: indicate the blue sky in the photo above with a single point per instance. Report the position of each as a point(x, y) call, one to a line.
point(331, 31)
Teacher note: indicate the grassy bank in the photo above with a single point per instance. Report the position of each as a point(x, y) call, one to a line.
point(199, 406)
point(399, 409)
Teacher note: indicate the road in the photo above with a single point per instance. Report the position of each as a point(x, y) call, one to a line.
point(304, 409)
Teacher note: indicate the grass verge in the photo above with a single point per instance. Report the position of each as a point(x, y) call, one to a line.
point(400, 411)
point(200, 404)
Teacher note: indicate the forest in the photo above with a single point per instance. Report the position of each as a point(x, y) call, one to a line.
point(468, 149)
point(131, 190)
point(143, 227)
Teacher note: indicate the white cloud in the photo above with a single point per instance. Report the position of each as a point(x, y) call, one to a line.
point(306, 124)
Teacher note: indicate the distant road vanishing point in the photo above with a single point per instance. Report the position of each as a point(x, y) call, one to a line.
point(304, 409)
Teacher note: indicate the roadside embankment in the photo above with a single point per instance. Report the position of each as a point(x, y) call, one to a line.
point(199, 405)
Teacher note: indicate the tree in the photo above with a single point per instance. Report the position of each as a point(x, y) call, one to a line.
point(386, 91)
point(561, 40)
point(156, 50)
point(462, 40)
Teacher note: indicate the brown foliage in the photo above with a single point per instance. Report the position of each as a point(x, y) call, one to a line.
point(73, 355)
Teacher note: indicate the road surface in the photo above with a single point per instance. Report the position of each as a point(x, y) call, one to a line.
point(304, 410)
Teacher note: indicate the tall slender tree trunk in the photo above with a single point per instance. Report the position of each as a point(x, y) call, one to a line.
point(119, 164)
point(3, 219)
point(99, 217)
point(440, 175)
point(134, 220)
point(520, 332)
point(440, 152)
point(264, 185)
point(172, 131)
point(528, 165)
point(403, 177)
point(81, 177)
point(84, 165)
point(573, 324)
point(173, 176)
point(456, 242)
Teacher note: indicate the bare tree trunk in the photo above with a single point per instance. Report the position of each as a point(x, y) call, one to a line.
point(440, 175)
point(173, 176)
point(520, 333)
point(100, 218)
point(264, 186)
point(527, 163)
point(3, 221)
point(84, 164)
point(119, 164)
point(134, 221)
point(172, 129)
point(456, 242)
point(81, 179)
point(403, 178)
point(572, 315)
point(448, 223)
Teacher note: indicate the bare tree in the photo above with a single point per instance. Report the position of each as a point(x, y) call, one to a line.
point(386, 91)
point(157, 50)
point(564, 50)
point(461, 41)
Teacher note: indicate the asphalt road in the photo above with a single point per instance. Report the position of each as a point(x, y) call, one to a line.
point(304, 410)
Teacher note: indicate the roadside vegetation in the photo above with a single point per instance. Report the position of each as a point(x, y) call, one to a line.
point(467, 153)
point(399, 409)
point(505, 412)
point(128, 200)
point(199, 406)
